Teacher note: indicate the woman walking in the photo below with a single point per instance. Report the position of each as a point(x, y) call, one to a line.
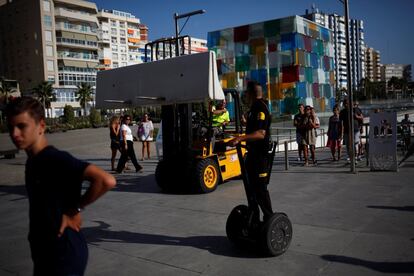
point(145, 135)
point(127, 146)
point(114, 128)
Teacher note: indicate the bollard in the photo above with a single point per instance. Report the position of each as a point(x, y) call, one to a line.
point(286, 156)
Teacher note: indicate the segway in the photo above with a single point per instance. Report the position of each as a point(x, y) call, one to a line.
point(244, 227)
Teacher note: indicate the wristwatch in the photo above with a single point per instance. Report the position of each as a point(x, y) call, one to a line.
point(72, 212)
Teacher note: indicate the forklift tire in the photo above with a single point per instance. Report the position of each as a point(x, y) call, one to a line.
point(207, 175)
point(236, 225)
point(276, 234)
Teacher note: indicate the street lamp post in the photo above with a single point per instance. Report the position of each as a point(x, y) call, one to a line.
point(177, 30)
point(350, 94)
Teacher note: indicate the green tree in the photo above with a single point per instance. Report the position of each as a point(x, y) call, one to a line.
point(393, 83)
point(45, 94)
point(84, 95)
point(5, 89)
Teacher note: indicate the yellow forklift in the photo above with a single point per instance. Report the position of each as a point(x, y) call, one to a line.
point(193, 158)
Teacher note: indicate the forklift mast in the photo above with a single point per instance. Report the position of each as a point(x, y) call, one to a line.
point(163, 48)
point(177, 130)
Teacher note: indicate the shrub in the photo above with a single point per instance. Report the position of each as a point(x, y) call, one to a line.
point(68, 115)
point(95, 118)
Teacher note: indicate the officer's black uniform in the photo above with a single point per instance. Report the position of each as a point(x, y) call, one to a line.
point(257, 157)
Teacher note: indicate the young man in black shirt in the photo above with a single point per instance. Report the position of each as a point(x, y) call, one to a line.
point(53, 182)
point(300, 129)
point(257, 139)
point(344, 118)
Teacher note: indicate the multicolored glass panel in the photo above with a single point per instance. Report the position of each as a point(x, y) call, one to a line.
point(292, 58)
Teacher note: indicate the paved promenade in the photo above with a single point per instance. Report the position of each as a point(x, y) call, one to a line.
point(343, 223)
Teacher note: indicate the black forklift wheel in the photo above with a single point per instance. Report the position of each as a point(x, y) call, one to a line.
point(207, 175)
point(236, 226)
point(276, 234)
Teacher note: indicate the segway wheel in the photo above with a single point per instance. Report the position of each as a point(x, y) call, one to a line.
point(276, 234)
point(236, 225)
point(207, 175)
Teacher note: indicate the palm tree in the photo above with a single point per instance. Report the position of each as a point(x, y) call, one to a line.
point(5, 89)
point(84, 94)
point(45, 94)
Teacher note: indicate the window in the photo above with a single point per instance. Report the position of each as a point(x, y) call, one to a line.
point(46, 6)
point(114, 31)
point(114, 56)
point(122, 32)
point(123, 57)
point(114, 48)
point(51, 79)
point(48, 36)
point(121, 24)
point(47, 19)
point(114, 39)
point(113, 23)
point(123, 40)
point(115, 65)
point(49, 51)
point(122, 49)
point(50, 66)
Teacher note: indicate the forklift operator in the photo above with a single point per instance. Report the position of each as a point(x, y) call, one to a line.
point(220, 115)
point(257, 138)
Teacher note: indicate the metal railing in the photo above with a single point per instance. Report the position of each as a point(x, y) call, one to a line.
point(286, 137)
point(288, 134)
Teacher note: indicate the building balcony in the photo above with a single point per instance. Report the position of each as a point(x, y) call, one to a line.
point(71, 14)
point(76, 43)
point(134, 45)
point(78, 56)
point(75, 28)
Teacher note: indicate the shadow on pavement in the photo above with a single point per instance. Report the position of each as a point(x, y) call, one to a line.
point(136, 183)
point(218, 245)
point(384, 267)
point(15, 190)
point(398, 208)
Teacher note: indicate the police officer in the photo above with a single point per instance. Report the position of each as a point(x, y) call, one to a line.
point(257, 139)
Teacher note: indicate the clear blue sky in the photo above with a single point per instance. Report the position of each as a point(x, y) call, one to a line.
point(388, 24)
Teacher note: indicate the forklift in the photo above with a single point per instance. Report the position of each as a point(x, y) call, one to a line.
point(194, 160)
point(191, 148)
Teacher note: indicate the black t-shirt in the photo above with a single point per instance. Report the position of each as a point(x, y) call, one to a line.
point(258, 118)
point(344, 118)
point(299, 123)
point(53, 183)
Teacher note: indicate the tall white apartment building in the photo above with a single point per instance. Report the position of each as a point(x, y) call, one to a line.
point(391, 70)
point(198, 45)
point(372, 65)
point(122, 39)
point(50, 40)
point(63, 42)
point(357, 45)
